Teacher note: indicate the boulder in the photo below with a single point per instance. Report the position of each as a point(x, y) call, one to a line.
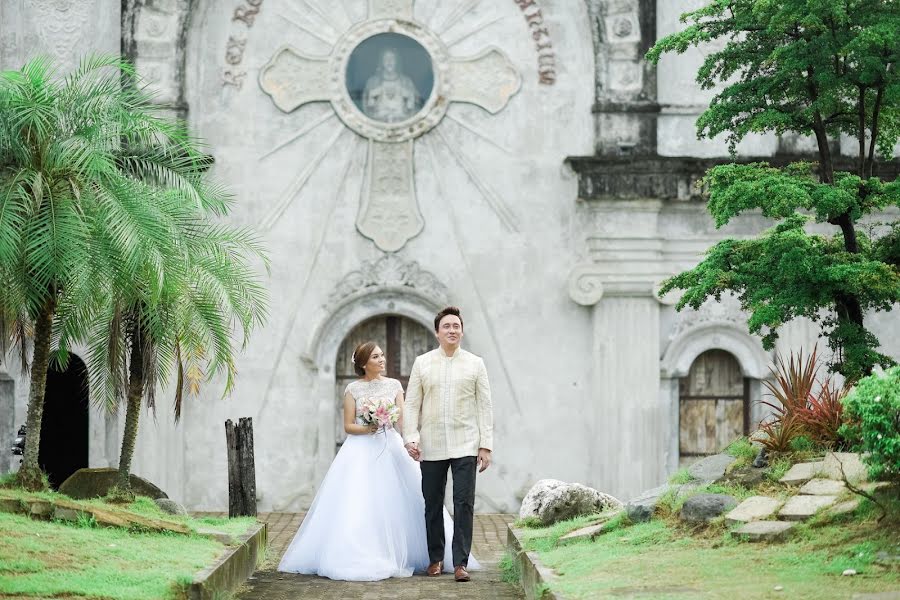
point(748, 476)
point(551, 501)
point(705, 507)
point(92, 483)
point(641, 508)
point(171, 507)
point(711, 468)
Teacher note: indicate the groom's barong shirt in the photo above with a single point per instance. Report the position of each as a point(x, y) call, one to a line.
point(448, 408)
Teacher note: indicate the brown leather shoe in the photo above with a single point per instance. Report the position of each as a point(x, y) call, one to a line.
point(461, 574)
point(435, 568)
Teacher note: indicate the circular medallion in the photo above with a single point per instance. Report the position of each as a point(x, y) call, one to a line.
point(390, 80)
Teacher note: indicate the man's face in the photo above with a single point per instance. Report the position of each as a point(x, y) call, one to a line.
point(450, 331)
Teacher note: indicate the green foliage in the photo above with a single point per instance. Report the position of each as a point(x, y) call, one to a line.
point(510, 569)
point(873, 411)
point(529, 522)
point(802, 443)
point(812, 67)
point(681, 476)
point(779, 434)
point(778, 467)
point(798, 65)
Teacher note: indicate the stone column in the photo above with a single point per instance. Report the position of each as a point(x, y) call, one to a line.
point(628, 450)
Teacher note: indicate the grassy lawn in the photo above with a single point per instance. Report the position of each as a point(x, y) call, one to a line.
point(663, 559)
point(81, 560)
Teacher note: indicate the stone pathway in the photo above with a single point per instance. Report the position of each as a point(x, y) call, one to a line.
point(488, 546)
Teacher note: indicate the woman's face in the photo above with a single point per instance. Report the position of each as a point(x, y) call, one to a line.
point(376, 361)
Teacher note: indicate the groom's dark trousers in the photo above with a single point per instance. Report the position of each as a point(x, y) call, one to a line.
point(434, 483)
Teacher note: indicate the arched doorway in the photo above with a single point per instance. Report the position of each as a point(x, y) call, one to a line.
point(402, 340)
point(64, 427)
point(714, 405)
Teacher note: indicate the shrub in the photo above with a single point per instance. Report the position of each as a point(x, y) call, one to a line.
point(873, 427)
point(823, 415)
point(779, 433)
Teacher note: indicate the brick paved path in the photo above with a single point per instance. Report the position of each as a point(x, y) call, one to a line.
point(488, 545)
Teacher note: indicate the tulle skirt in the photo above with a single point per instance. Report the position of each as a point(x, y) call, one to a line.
point(367, 521)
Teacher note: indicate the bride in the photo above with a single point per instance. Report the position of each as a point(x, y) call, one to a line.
point(367, 521)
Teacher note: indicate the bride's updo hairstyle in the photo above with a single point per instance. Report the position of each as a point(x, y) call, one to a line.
point(361, 357)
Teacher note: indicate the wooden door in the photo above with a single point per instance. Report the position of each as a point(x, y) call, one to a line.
point(714, 403)
point(401, 339)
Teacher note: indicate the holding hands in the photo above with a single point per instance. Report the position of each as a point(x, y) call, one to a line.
point(413, 449)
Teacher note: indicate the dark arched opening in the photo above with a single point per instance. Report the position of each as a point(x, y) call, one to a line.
point(64, 427)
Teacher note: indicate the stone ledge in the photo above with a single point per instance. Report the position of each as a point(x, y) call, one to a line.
point(534, 573)
point(237, 564)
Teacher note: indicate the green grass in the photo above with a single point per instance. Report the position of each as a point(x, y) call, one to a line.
point(46, 559)
point(778, 467)
point(661, 559)
point(146, 507)
point(510, 569)
point(681, 476)
point(743, 451)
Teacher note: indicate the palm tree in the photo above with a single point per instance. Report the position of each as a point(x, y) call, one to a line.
point(135, 341)
point(84, 162)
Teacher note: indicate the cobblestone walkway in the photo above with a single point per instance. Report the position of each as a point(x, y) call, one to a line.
point(488, 545)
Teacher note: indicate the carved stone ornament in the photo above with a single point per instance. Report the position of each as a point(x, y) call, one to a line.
point(586, 284)
point(726, 312)
point(391, 109)
point(390, 272)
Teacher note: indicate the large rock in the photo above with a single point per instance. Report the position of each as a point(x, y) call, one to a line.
point(642, 507)
point(171, 507)
point(712, 468)
point(551, 500)
point(91, 483)
point(706, 507)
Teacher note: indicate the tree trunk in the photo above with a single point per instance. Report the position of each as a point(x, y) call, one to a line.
point(30, 476)
point(133, 408)
point(241, 468)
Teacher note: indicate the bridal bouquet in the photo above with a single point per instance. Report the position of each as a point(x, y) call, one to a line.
point(378, 411)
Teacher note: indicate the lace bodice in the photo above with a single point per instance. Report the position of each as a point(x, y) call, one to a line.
point(377, 388)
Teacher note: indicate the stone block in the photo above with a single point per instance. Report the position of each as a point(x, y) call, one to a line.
point(823, 487)
point(847, 506)
point(754, 508)
point(851, 464)
point(40, 509)
point(66, 514)
point(802, 472)
point(585, 533)
point(763, 531)
point(711, 468)
point(11, 505)
point(800, 508)
point(705, 507)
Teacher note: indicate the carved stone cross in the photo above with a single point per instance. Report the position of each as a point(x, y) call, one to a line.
point(389, 213)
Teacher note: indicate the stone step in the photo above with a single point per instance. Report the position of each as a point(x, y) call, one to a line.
point(800, 508)
point(802, 472)
point(754, 508)
point(762, 531)
point(844, 507)
point(823, 487)
point(838, 465)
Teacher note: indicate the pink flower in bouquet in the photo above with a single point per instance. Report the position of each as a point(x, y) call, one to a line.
point(383, 416)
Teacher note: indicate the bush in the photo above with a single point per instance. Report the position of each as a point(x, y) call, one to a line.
point(873, 414)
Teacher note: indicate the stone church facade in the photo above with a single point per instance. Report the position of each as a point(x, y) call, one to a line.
point(517, 158)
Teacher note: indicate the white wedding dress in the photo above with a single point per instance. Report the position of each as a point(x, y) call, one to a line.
point(367, 521)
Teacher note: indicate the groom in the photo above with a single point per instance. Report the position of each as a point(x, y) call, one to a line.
point(448, 423)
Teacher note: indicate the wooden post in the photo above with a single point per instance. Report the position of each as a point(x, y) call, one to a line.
point(241, 468)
